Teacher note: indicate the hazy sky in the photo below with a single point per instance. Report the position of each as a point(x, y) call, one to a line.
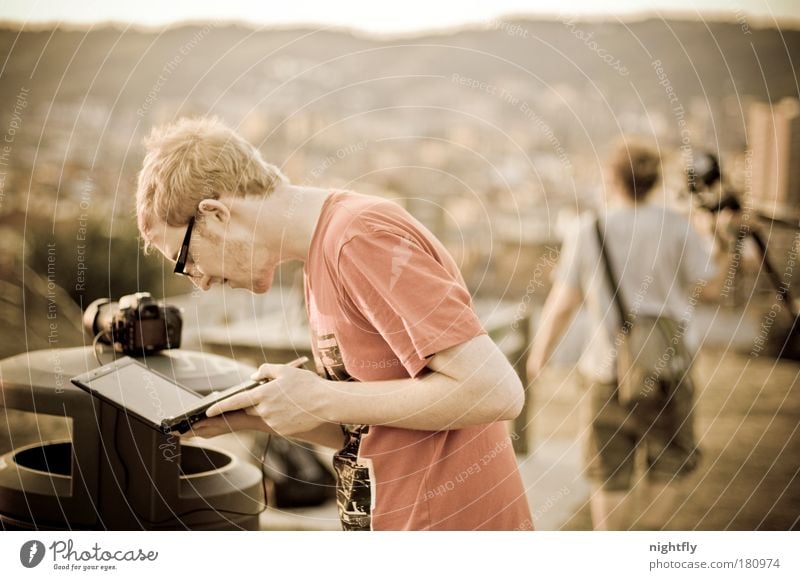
point(371, 16)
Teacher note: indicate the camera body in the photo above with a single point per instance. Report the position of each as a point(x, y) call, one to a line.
point(137, 325)
point(704, 180)
point(715, 203)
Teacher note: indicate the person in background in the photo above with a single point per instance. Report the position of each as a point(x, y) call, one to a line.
point(661, 266)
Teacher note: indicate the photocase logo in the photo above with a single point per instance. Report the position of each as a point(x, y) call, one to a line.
point(31, 553)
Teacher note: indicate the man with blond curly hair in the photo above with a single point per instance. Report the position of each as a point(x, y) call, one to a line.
point(410, 390)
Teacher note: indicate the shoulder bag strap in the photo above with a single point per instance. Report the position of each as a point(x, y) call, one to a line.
point(615, 293)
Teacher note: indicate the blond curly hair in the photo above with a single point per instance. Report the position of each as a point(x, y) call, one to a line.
point(194, 159)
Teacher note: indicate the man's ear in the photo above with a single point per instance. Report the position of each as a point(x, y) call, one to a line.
point(213, 209)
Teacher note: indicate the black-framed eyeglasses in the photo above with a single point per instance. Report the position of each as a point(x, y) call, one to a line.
point(183, 255)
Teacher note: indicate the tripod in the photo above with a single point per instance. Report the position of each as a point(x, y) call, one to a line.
point(705, 185)
point(790, 347)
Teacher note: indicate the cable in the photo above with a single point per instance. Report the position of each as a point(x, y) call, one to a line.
point(95, 342)
point(262, 466)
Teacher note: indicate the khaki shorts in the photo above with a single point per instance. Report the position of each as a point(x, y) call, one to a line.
point(614, 434)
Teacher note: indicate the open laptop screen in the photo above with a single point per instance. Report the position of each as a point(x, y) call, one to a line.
point(137, 389)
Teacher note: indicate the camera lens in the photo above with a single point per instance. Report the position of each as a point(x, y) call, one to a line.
point(148, 311)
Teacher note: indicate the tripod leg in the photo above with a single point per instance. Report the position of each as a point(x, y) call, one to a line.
point(734, 267)
point(781, 287)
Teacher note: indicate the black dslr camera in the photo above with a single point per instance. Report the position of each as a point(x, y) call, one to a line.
point(137, 325)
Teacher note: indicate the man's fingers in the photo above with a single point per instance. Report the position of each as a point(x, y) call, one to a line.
point(248, 398)
point(220, 425)
point(268, 371)
point(205, 428)
point(234, 403)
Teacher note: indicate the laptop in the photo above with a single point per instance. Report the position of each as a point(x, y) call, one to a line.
point(151, 397)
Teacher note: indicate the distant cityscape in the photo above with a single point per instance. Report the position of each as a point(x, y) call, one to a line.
point(494, 138)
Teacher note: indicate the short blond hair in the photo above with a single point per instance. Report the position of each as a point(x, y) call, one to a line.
point(194, 159)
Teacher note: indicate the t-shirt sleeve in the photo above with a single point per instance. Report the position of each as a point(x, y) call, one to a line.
point(696, 262)
point(412, 300)
point(568, 270)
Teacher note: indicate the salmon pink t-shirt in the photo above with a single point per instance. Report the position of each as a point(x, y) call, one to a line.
point(384, 296)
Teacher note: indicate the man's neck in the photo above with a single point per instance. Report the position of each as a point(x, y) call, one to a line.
point(291, 215)
point(622, 200)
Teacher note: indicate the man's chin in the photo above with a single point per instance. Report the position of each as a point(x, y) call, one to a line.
point(261, 287)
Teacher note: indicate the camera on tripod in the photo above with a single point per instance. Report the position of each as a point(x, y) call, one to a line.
point(137, 325)
point(705, 186)
point(701, 176)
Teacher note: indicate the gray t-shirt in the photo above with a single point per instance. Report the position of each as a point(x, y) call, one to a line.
point(657, 258)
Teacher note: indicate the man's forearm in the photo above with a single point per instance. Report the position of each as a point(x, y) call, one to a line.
point(552, 329)
point(434, 402)
point(559, 309)
point(328, 435)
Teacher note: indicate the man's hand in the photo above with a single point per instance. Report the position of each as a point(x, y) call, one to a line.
point(222, 424)
point(289, 404)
